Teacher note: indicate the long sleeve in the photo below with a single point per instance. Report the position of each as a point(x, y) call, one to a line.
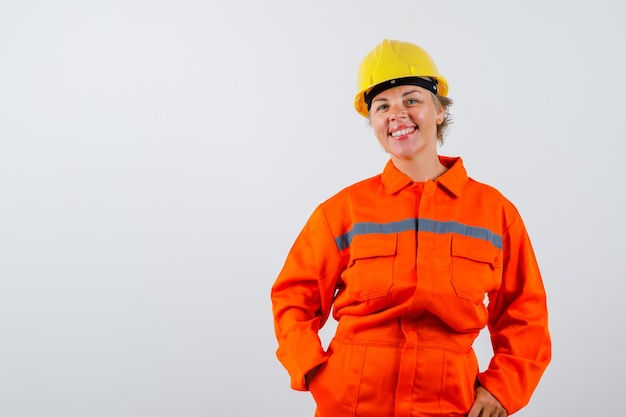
point(302, 296)
point(518, 324)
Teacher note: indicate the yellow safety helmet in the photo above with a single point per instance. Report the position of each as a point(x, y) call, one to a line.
point(394, 63)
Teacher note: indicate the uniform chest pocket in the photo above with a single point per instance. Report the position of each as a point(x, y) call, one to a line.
point(476, 268)
point(371, 267)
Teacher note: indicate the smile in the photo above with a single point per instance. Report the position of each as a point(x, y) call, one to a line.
point(402, 132)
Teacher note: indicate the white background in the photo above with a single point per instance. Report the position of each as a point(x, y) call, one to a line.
point(158, 158)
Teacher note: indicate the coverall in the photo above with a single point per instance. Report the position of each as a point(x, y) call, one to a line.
point(412, 272)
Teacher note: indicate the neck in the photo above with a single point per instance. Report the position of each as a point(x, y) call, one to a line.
point(420, 169)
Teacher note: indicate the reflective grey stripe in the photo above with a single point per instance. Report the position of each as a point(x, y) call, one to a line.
point(427, 225)
point(344, 240)
point(423, 225)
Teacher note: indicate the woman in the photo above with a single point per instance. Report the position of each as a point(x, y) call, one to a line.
point(414, 263)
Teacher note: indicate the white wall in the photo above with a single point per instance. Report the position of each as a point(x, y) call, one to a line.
point(158, 158)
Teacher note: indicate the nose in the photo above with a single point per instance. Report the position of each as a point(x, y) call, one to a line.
point(397, 112)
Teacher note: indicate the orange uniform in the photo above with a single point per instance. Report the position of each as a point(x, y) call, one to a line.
point(405, 268)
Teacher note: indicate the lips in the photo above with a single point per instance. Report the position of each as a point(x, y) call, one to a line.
point(402, 132)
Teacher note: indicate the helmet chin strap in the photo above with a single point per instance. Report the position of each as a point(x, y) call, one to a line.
point(427, 83)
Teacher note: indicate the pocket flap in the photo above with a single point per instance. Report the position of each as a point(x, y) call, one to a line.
point(475, 249)
point(373, 245)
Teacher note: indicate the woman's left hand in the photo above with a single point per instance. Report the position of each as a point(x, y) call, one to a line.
point(486, 405)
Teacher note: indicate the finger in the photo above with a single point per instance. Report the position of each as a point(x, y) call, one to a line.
point(474, 411)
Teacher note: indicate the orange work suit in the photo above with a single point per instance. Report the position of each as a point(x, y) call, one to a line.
point(412, 273)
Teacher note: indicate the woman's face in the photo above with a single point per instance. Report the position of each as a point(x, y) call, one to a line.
point(404, 120)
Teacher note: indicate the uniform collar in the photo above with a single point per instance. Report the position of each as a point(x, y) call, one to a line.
point(453, 180)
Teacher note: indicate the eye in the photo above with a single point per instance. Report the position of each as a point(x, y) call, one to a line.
point(412, 100)
point(382, 107)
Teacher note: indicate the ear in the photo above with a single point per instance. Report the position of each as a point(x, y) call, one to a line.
point(441, 113)
point(441, 110)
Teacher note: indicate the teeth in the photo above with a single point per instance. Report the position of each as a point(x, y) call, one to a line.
point(401, 132)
